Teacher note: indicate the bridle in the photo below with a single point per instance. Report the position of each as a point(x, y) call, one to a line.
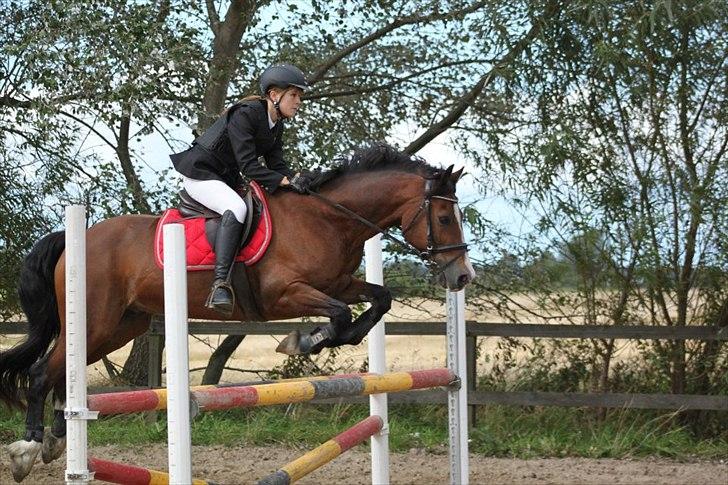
point(427, 256)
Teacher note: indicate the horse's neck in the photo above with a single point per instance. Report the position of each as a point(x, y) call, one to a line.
point(379, 197)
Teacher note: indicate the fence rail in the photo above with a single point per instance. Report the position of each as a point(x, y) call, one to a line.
point(474, 330)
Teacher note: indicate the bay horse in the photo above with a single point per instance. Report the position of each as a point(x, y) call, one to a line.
point(317, 245)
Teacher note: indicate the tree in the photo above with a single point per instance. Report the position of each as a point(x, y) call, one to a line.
point(616, 126)
point(107, 75)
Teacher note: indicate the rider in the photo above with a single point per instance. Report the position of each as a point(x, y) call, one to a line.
point(229, 150)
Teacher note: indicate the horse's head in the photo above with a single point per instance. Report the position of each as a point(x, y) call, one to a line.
point(435, 228)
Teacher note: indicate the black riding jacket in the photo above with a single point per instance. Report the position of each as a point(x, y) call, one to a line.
point(232, 146)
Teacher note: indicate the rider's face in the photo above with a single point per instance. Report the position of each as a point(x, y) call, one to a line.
point(290, 102)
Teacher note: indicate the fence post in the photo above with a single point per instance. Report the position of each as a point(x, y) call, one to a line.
point(457, 399)
point(378, 405)
point(76, 411)
point(471, 349)
point(178, 369)
point(156, 343)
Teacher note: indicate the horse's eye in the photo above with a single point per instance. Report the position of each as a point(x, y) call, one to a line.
point(445, 220)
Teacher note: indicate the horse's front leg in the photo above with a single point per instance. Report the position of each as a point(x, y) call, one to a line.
point(304, 300)
point(360, 291)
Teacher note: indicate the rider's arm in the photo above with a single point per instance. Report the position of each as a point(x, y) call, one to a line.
point(241, 130)
point(274, 157)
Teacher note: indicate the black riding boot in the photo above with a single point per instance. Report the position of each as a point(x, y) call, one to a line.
point(227, 245)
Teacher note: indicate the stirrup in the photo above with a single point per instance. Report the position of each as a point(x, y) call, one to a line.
point(221, 309)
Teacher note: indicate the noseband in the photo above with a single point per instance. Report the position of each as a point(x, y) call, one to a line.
point(425, 208)
point(432, 247)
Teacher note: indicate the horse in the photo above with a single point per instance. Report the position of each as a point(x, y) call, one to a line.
point(308, 270)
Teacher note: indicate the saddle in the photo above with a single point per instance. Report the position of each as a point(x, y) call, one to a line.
point(190, 208)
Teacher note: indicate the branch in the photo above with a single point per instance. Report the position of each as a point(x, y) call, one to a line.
point(213, 16)
point(465, 102)
point(394, 82)
point(163, 12)
point(409, 20)
point(127, 167)
point(42, 148)
point(10, 102)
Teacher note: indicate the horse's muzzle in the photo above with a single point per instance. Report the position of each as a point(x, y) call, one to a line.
point(458, 275)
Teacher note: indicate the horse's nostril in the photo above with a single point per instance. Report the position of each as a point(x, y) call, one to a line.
point(463, 280)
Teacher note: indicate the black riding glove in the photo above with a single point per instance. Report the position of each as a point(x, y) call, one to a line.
point(300, 183)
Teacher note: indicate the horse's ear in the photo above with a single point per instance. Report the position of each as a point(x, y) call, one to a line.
point(455, 176)
point(448, 172)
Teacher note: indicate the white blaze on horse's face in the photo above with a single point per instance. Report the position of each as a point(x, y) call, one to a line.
point(466, 256)
point(448, 230)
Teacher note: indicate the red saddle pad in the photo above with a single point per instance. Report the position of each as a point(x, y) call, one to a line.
point(200, 255)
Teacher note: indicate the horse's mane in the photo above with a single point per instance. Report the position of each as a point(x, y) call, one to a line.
point(375, 157)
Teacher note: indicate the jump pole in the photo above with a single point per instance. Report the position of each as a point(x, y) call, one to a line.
point(76, 411)
point(323, 454)
point(178, 368)
point(212, 398)
point(378, 365)
point(113, 472)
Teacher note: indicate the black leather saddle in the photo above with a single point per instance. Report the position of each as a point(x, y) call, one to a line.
point(189, 208)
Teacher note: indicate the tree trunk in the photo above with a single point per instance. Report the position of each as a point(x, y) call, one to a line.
point(219, 358)
point(136, 367)
point(224, 60)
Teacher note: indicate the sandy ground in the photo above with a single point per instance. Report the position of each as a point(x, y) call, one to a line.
point(245, 465)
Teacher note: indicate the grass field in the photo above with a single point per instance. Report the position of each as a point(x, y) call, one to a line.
point(501, 431)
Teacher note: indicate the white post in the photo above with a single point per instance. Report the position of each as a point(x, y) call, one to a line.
point(76, 411)
point(457, 400)
point(175, 330)
point(377, 364)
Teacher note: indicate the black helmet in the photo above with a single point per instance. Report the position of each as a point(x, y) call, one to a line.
point(282, 76)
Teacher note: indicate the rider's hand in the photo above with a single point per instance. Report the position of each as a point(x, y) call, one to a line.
point(300, 183)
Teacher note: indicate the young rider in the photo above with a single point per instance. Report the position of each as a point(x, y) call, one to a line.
point(229, 150)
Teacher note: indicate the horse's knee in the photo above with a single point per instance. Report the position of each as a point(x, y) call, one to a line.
point(383, 298)
point(340, 314)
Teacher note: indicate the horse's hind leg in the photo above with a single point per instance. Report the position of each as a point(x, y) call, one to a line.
point(23, 453)
point(54, 440)
point(103, 321)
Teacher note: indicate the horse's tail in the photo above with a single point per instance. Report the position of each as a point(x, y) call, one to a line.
point(38, 299)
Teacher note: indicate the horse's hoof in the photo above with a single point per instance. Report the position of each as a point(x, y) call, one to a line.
point(291, 345)
point(53, 447)
point(22, 457)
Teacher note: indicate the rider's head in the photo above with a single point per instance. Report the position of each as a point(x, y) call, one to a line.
point(282, 85)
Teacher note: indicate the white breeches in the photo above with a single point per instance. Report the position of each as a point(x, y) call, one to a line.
point(216, 195)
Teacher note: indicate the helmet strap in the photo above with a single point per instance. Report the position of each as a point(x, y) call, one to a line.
point(277, 104)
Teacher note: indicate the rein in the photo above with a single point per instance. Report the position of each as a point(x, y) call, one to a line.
point(432, 248)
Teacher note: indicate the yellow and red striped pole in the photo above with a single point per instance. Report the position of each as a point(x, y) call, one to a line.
point(113, 472)
point(210, 398)
point(318, 457)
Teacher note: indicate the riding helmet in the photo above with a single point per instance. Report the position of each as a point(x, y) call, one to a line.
point(282, 76)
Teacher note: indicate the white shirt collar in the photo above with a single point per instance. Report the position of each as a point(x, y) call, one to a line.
point(271, 123)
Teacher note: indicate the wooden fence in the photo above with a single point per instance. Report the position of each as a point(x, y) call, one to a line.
point(475, 330)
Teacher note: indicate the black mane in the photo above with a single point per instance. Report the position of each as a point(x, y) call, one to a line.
point(379, 156)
